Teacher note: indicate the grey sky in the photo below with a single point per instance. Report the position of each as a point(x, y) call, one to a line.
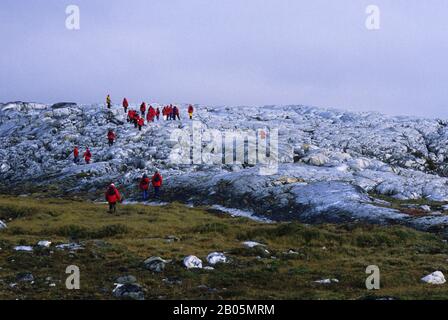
point(235, 52)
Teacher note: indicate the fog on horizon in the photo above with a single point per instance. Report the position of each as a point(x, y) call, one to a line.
point(252, 52)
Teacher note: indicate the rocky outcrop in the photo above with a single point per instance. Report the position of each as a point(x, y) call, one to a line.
point(329, 160)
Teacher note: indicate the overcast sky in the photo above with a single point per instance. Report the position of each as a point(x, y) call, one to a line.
point(233, 52)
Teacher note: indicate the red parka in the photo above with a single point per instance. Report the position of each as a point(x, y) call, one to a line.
point(112, 195)
point(157, 180)
point(141, 122)
point(144, 183)
point(87, 155)
point(111, 135)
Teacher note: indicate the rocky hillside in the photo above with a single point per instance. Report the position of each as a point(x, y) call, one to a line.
point(334, 166)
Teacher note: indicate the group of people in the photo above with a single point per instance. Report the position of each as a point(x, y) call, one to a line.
point(113, 196)
point(169, 112)
point(87, 155)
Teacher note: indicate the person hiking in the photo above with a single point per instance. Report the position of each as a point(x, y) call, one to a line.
point(157, 113)
point(157, 181)
point(164, 113)
point(140, 123)
point(190, 111)
point(76, 155)
point(130, 115)
point(87, 156)
point(112, 197)
point(144, 187)
point(168, 113)
point(108, 101)
point(111, 137)
point(151, 114)
point(125, 105)
point(176, 113)
point(143, 109)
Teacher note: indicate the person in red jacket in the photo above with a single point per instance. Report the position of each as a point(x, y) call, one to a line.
point(190, 111)
point(143, 109)
point(157, 181)
point(144, 187)
point(112, 197)
point(111, 137)
point(157, 113)
point(76, 155)
point(87, 156)
point(151, 114)
point(140, 123)
point(125, 105)
point(129, 119)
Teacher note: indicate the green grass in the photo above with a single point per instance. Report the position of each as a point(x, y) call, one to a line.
point(117, 245)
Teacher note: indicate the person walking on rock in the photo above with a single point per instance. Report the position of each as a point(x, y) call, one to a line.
point(176, 113)
point(87, 156)
point(170, 112)
point(111, 137)
point(151, 114)
point(76, 155)
point(143, 109)
point(125, 105)
point(190, 111)
point(140, 123)
point(157, 181)
point(157, 113)
point(108, 101)
point(144, 187)
point(112, 197)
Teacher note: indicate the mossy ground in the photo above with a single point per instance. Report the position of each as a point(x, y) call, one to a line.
point(117, 245)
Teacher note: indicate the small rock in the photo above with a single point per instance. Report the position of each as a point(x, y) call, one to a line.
point(128, 291)
point(426, 208)
point(44, 243)
point(23, 248)
point(69, 246)
point(2, 225)
point(155, 264)
point(25, 277)
point(216, 257)
point(209, 268)
point(172, 238)
point(192, 262)
point(327, 281)
point(252, 244)
point(173, 281)
point(126, 280)
point(436, 277)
